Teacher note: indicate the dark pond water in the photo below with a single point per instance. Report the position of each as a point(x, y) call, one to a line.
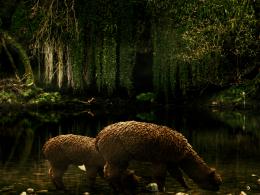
point(227, 140)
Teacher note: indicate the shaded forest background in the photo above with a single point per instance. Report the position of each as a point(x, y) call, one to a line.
point(175, 50)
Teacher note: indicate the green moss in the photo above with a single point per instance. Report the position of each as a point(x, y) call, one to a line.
point(46, 97)
point(105, 63)
point(77, 50)
point(166, 64)
point(146, 97)
point(7, 97)
point(14, 92)
point(127, 61)
point(27, 73)
point(109, 64)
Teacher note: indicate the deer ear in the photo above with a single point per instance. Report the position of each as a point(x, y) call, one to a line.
point(215, 176)
point(212, 171)
point(132, 172)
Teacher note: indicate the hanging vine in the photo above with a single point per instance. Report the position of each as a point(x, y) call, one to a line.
point(54, 38)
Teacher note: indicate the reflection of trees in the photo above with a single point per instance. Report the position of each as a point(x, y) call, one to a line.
point(240, 121)
point(225, 143)
point(219, 134)
point(19, 129)
point(237, 135)
point(20, 141)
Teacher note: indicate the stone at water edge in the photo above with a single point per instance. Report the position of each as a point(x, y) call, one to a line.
point(181, 193)
point(152, 187)
point(30, 190)
point(82, 167)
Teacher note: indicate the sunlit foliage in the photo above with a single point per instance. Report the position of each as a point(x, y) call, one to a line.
point(91, 46)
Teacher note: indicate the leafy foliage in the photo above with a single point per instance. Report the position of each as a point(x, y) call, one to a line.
point(92, 45)
point(15, 92)
point(240, 95)
point(206, 42)
point(146, 97)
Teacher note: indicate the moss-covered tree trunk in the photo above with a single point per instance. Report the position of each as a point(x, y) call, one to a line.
point(11, 47)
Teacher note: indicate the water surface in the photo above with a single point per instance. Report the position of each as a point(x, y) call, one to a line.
point(227, 140)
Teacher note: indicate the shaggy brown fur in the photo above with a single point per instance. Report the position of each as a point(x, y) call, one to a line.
point(64, 150)
point(166, 148)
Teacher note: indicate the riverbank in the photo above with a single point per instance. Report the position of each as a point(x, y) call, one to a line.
point(15, 95)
